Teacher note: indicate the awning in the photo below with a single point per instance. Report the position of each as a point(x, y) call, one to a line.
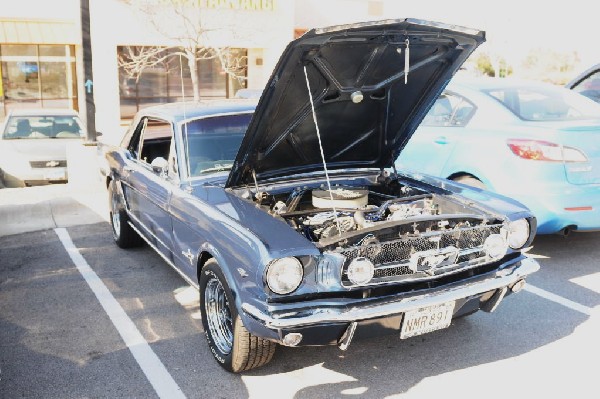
point(18, 31)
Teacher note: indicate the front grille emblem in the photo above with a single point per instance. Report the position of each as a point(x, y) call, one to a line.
point(52, 164)
point(429, 261)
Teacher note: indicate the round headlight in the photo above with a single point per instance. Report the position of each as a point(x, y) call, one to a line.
point(284, 275)
point(360, 271)
point(518, 233)
point(495, 246)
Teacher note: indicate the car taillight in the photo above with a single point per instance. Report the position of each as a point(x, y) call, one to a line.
point(538, 150)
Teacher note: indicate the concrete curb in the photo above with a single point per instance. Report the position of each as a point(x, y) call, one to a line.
point(30, 209)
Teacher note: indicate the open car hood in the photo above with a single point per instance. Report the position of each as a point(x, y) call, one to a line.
point(365, 110)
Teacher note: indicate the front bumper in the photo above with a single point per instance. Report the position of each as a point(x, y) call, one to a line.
point(281, 319)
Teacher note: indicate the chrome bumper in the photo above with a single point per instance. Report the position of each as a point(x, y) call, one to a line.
point(504, 278)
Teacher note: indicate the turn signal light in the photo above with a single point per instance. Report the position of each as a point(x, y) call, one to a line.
point(538, 150)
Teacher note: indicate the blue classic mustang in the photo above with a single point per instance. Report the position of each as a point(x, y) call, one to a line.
point(288, 216)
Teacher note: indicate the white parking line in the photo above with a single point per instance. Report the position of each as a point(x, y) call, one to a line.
point(155, 371)
point(558, 299)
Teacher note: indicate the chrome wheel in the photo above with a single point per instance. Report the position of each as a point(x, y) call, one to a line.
point(115, 216)
point(218, 315)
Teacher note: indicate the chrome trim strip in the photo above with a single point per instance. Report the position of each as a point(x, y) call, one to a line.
point(344, 314)
point(185, 277)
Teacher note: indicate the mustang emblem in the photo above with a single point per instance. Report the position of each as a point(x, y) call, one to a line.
point(189, 255)
point(429, 261)
point(432, 260)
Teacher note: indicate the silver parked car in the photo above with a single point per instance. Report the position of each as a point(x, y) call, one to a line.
point(33, 146)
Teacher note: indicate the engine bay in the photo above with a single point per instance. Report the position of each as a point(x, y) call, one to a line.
point(347, 214)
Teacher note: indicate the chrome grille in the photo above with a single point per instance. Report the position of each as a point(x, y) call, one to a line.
point(392, 259)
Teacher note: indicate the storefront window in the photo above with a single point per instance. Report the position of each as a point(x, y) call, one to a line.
point(36, 76)
point(163, 83)
point(179, 75)
point(19, 50)
point(21, 81)
point(213, 80)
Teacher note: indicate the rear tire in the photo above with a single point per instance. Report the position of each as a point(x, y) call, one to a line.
point(470, 181)
point(231, 344)
point(123, 234)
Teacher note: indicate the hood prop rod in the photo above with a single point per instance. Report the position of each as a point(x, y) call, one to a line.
point(406, 60)
point(314, 115)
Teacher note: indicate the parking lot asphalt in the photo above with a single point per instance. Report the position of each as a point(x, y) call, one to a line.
point(62, 336)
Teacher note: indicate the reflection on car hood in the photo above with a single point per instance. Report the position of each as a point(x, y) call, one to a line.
point(365, 110)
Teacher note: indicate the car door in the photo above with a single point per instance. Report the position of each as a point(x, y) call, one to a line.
point(147, 191)
point(432, 144)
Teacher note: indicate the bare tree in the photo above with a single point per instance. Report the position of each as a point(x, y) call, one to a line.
point(191, 36)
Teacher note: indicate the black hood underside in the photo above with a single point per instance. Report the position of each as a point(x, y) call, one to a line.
point(367, 100)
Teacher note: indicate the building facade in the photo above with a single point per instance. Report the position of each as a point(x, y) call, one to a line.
point(38, 60)
point(41, 55)
point(41, 50)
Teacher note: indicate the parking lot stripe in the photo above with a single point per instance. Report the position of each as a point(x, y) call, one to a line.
point(155, 371)
point(558, 299)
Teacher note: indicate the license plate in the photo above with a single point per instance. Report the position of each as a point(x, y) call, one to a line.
point(425, 320)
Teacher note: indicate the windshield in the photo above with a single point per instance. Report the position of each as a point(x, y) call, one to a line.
point(546, 103)
point(212, 144)
point(43, 127)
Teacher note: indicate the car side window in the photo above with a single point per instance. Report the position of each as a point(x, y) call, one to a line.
point(155, 140)
point(449, 110)
point(590, 86)
point(134, 143)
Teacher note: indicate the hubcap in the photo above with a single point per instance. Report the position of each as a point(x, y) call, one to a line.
point(218, 315)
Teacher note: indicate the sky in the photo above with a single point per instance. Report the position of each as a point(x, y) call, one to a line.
point(513, 27)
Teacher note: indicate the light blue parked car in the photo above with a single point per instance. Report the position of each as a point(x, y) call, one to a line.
point(532, 141)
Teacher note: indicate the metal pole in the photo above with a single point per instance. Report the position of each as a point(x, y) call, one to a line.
point(88, 75)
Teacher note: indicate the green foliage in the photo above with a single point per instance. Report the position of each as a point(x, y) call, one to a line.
point(487, 66)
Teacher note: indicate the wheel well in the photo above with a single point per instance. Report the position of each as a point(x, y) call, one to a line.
point(456, 175)
point(202, 259)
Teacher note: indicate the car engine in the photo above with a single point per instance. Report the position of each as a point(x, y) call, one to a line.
point(337, 216)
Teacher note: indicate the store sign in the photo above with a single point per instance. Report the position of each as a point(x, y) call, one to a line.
point(244, 5)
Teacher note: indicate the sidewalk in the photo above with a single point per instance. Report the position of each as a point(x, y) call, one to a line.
point(29, 209)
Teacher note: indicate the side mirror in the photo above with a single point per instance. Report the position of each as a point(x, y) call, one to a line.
point(160, 166)
point(98, 134)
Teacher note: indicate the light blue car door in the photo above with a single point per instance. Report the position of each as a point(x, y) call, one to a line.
point(434, 141)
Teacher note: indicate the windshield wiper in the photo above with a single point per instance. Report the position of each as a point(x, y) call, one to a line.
point(217, 168)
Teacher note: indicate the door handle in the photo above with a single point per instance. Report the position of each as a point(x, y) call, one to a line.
point(128, 169)
point(441, 140)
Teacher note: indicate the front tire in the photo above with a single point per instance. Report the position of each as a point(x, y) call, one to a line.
point(231, 344)
point(123, 235)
